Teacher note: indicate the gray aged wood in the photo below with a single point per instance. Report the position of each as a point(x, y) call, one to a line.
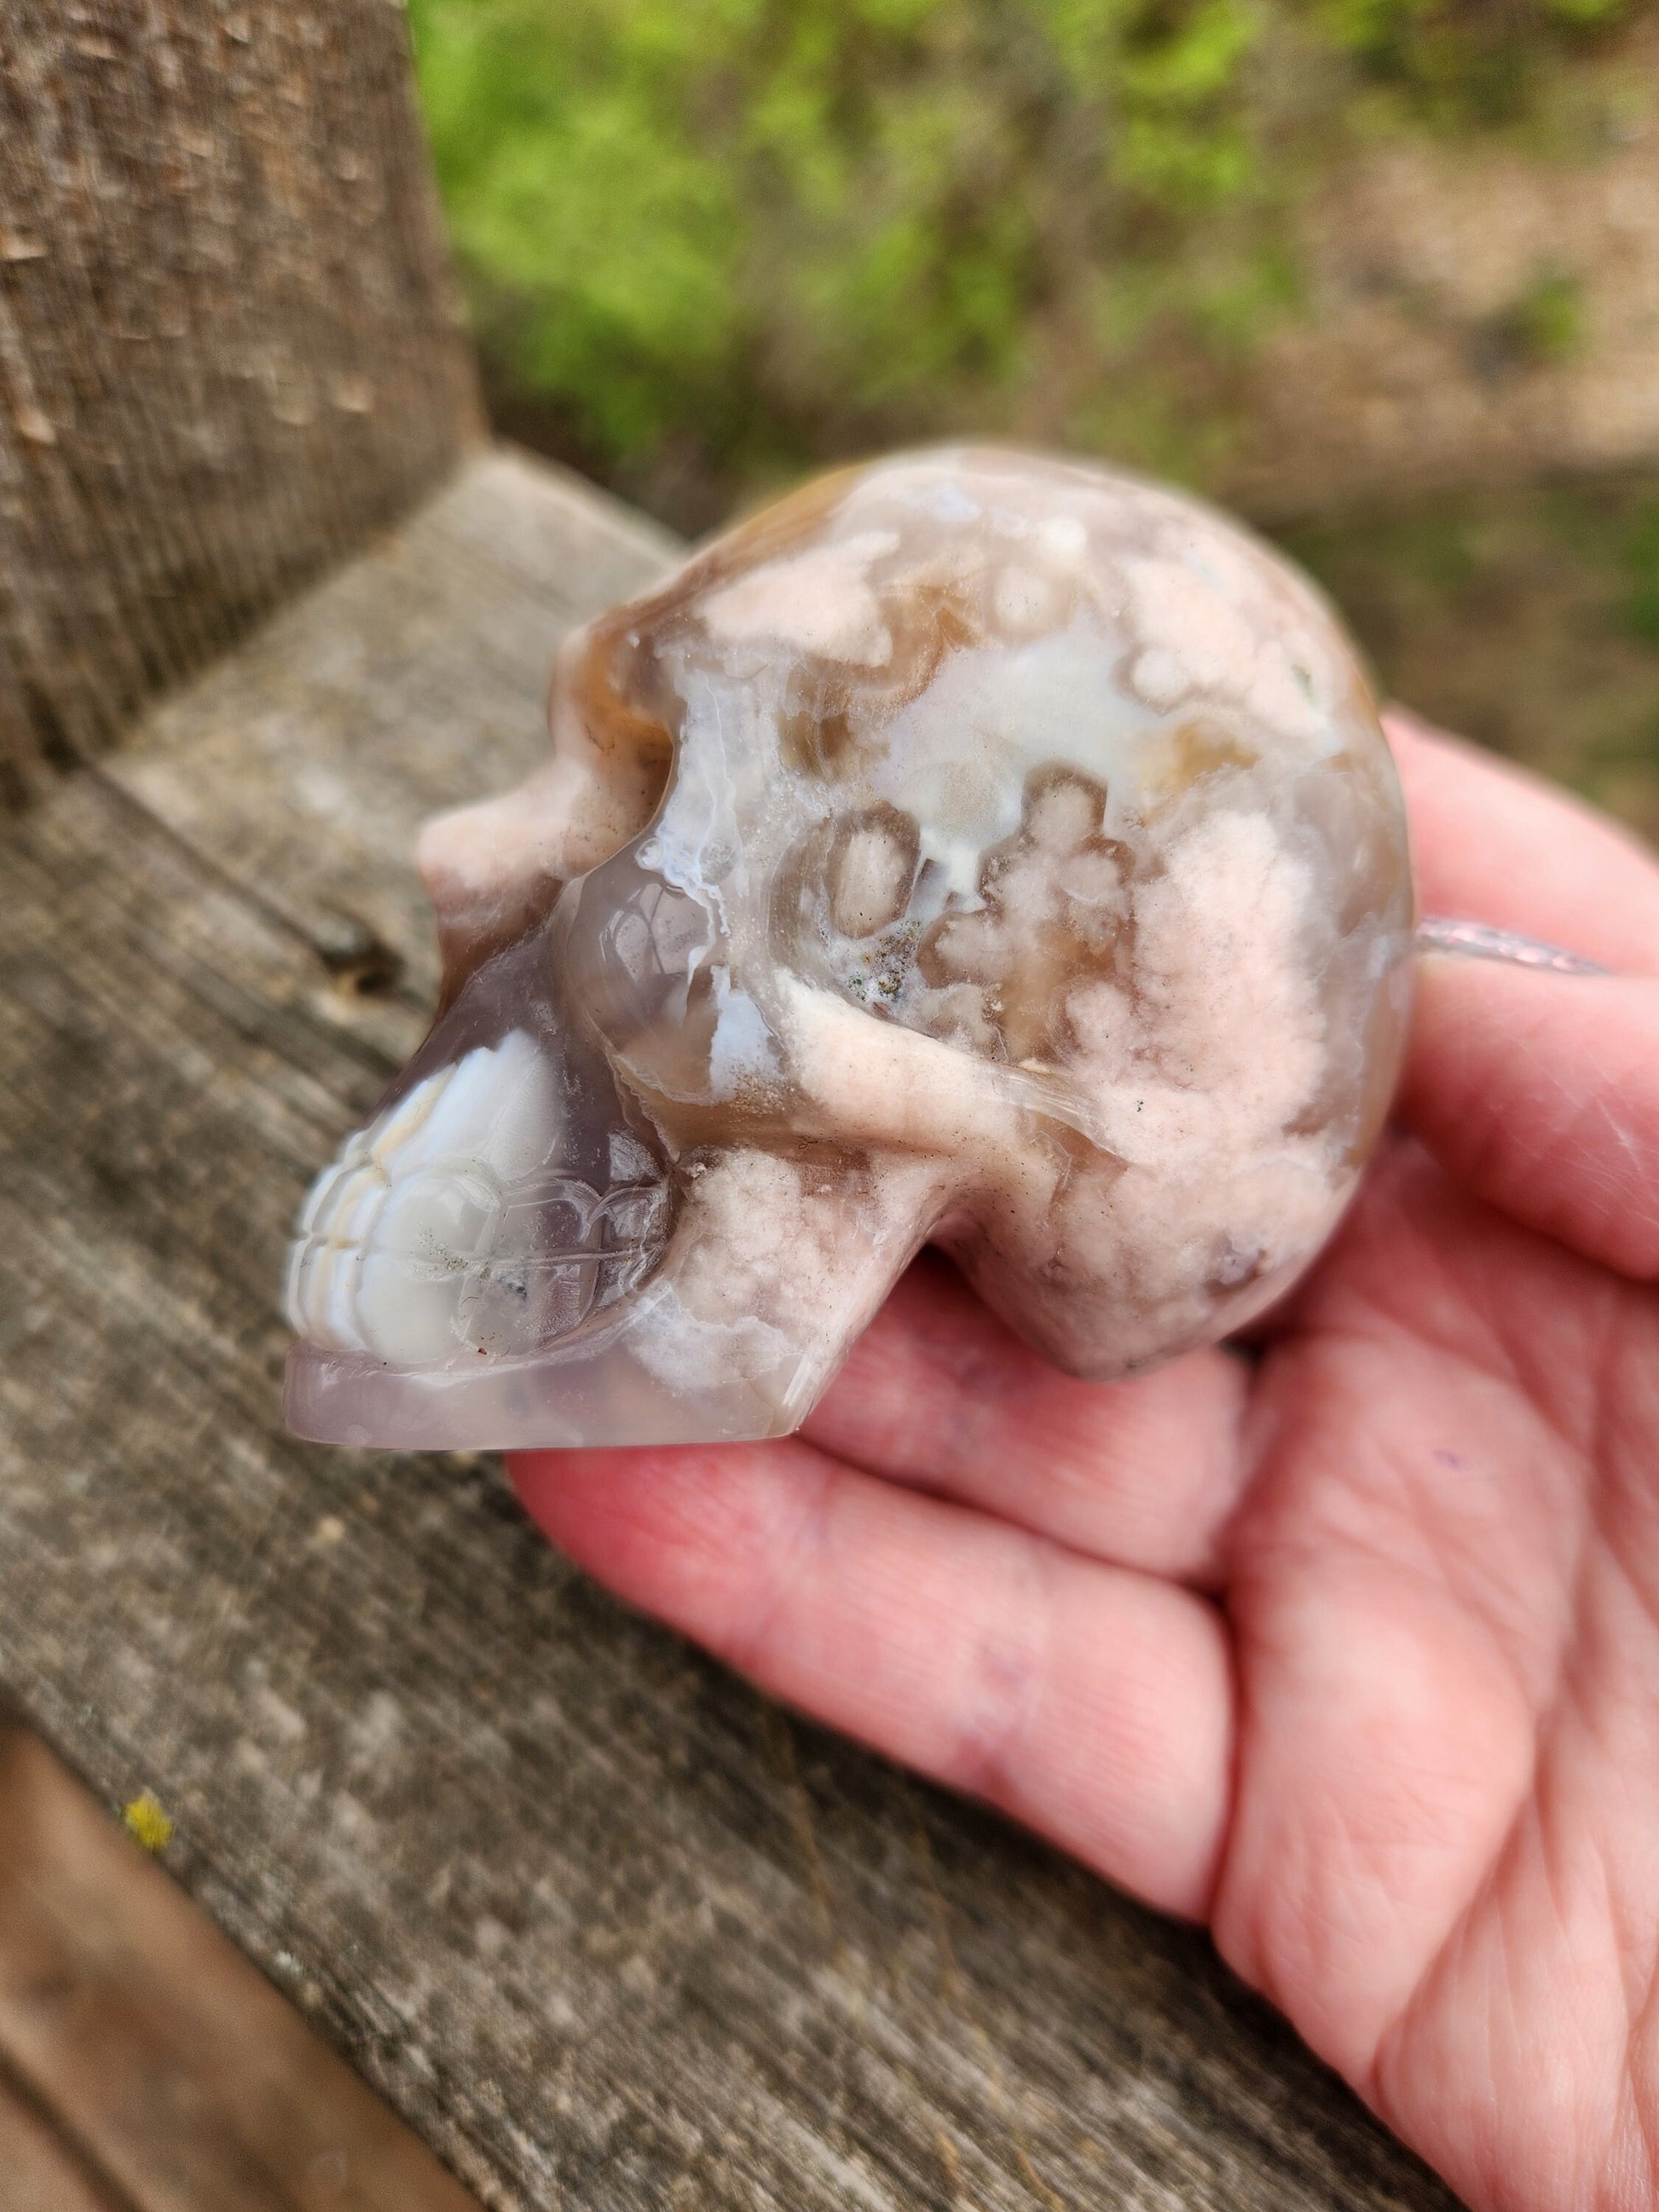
point(607, 1927)
point(229, 347)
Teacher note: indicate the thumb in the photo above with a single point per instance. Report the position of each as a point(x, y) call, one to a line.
point(1539, 1091)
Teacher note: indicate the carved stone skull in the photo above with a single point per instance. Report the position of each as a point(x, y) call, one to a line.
point(973, 848)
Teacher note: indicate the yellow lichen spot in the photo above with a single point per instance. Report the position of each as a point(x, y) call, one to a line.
point(145, 1822)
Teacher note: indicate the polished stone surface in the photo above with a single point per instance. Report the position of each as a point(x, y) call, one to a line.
point(975, 847)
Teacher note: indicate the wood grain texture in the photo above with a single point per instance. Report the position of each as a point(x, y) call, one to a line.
point(607, 1927)
point(229, 346)
point(147, 2067)
point(43, 2173)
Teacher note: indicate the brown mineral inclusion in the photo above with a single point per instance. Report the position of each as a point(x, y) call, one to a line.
point(975, 848)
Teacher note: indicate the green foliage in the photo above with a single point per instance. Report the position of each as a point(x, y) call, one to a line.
point(1457, 62)
point(1526, 615)
point(774, 229)
point(1641, 575)
point(1549, 318)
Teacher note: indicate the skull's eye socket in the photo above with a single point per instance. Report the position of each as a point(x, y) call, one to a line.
point(634, 970)
point(871, 868)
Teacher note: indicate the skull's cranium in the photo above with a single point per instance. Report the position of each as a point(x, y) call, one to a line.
point(972, 848)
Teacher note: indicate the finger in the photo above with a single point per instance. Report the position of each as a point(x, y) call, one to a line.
point(1091, 1704)
point(940, 1394)
point(1492, 843)
point(1541, 1093)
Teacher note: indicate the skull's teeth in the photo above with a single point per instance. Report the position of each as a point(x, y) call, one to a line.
point(445, 1228)
point(388, 1232)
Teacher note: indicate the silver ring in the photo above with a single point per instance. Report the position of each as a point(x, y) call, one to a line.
point(1475, 941)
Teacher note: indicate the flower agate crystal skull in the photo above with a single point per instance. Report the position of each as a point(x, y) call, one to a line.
point(973, 848)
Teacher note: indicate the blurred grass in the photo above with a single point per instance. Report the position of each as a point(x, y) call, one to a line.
point(1526, 616)
point(710, 244)
point(716, 242)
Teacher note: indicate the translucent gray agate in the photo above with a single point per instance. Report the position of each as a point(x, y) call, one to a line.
point(973, 848)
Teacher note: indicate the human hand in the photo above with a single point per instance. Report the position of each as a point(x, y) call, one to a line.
point(1351, 1651)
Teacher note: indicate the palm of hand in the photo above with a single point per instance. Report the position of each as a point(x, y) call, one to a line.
point(1353, 1651)
point(1444, 1860)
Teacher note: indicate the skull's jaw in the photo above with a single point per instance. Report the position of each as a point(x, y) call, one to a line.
point(602, 1389)
point(507, 1256)
point(735, 1337)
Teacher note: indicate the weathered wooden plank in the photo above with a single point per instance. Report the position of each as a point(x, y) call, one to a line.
point(609, 1929)
point(229, 346)
point(42, 2173)
point(147, 2067)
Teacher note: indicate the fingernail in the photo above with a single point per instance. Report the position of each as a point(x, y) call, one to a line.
point(1475, 941)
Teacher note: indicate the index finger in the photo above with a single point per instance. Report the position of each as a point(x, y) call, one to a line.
point(1492, 843)
point(1537, 1090)
point(1093, 1704)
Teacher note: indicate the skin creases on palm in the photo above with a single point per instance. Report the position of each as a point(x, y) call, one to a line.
point(1349, 1646)
point(1443, 1856)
